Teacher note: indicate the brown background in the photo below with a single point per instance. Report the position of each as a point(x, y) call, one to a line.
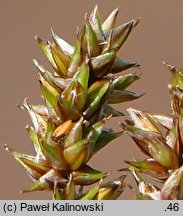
point(157, 38)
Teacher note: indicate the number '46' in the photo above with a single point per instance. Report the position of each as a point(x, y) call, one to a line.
point(173, 207)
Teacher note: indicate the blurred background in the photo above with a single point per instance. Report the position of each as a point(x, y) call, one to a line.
point(157, 38)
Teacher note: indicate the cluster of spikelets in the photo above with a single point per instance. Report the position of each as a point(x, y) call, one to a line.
point(160, 138)
point(69, 128)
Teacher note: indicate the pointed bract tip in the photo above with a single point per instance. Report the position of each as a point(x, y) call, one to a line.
point(70, 177)
point(26, 101)
point(9, 150)
point(170, 67)
point(169, 86)
point(116, 10)
point(6, 147)
point(107, 118)
point(101, 180)
point(52, 31)
point(136, 177)
point(138, 20)
point(96, 7)
point(27, 127)
point(130, 109)
point(86, 17)
point(21, 107)
point(26, 106)
point(38, 39)
point(94, 11)
point(77, 31)
point(49, 43)
point(35, 62)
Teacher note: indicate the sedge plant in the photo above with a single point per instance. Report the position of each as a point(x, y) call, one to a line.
point(160, 138)
point(78, 93)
